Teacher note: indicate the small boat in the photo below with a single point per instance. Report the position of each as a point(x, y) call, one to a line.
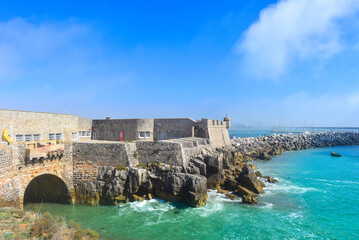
point(334, 154)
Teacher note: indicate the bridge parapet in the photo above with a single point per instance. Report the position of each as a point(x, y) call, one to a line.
point(44, 152)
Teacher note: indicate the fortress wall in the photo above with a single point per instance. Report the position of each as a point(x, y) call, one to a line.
point(9, 175)
point(215, 130)
point(168, 152)
point(89, 157)
point(110, 129)
point(84, 123)
point(219, 136)
point(24, 122)
point(174, 128)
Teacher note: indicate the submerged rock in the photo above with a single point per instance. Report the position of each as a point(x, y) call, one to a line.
point(248, 199)
point(231, 196)
point(270, 179)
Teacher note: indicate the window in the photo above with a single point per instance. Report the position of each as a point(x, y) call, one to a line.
point(28, 137)
point(74, 135)
point(37, 137)
point(51, 136)
point(144, 135)
point(58, 136)
point(19, 138)
point(85, 133)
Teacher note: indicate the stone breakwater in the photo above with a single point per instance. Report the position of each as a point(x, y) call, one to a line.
point(227, 170)
point(264, 147)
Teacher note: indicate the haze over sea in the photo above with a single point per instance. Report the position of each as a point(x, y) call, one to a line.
point(314, 198)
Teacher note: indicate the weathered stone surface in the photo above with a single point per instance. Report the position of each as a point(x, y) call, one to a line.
point(138, 181)
point(271, 180)
point(248, 199)
point(231, 196)
point(258, 174)
point(214, 181)
point(242, 191)
point(182, 187)
point(264, 156)
point(214, 163)
point(249, 180)
point(201, 166)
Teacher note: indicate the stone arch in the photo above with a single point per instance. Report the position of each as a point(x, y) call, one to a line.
point(47, 188)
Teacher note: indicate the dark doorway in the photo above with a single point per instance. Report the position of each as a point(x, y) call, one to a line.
point(46, 188)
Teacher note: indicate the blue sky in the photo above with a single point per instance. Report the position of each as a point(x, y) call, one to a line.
point(265, 63)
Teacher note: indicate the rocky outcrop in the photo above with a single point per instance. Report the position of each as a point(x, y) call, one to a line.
point(176, 187)
point(226, 169)
point(115, 186)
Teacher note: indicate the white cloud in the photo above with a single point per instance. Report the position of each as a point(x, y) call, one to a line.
point(290, 30)
point(22, 44)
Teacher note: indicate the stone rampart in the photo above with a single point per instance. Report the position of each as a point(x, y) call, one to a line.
point(166, 151)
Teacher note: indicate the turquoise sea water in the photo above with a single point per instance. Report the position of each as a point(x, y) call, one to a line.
point(316, 198)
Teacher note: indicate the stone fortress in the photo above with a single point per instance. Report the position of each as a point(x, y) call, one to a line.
point(62, 158)
point(43, 155)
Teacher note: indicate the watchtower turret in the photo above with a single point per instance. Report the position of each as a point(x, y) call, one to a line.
point(228, 121)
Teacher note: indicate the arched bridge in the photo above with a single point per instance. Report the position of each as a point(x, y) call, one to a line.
point(35, 174)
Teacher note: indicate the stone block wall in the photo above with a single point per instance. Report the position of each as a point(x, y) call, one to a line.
point(89, 157)
point(215, 130)
point(109, 129)
point(173, 128)
point(168, 152)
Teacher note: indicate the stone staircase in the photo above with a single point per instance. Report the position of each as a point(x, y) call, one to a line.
point(130, 151)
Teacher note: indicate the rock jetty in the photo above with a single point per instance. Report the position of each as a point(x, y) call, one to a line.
point(224, 169)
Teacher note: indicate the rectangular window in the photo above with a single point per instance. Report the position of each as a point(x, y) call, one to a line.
point(58, 136)
point(19, 138)
point(147, 135)
point(85, 133)
point(74, 135)
point(141, 135)
point(37, 137)
point(51, 136)
point(28, 137)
